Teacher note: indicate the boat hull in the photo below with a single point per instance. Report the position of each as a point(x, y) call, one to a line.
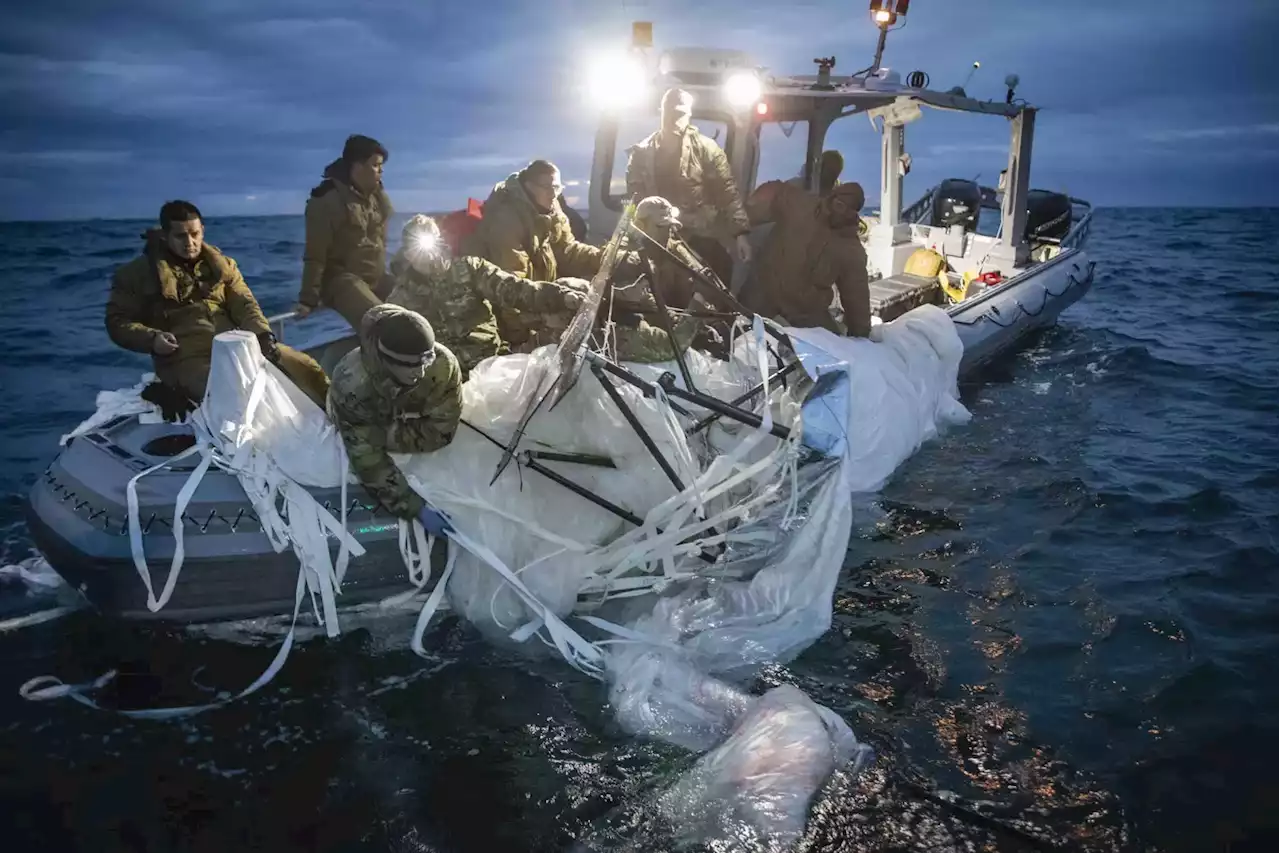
point(993, 323)
point(77, 514)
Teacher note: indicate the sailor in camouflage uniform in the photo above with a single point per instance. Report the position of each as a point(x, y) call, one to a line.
point(464, 299)
point(400, 392)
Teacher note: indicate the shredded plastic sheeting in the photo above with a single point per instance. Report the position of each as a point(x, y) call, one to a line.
point(734, 569)
point(114, 404)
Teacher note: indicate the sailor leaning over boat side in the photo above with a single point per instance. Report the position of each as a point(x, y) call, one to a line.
point(813, 247)
point(344, 262)
point(467, 299)
point(459, 296)
point(172, 300)
point(400, 391)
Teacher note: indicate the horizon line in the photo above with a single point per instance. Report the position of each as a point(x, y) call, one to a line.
point(211, 217)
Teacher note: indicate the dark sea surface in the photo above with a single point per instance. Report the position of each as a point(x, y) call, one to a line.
point(1063, 637)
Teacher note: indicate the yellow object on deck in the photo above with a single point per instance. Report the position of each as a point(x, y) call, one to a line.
point(925, 263)
point(954, 293)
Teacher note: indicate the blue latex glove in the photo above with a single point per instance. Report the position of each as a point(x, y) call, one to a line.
point(434, 521)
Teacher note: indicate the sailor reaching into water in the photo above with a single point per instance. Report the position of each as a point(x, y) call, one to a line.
point(399, 392)
point(172, 300)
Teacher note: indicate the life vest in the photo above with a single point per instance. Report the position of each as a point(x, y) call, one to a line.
point(456, 226)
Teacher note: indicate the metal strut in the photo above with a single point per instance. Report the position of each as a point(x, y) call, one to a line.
point(640, 431)
point(668, 383)
point(707, 420)
point(527, 460)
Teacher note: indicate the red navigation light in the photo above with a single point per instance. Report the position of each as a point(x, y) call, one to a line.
point(762, 109)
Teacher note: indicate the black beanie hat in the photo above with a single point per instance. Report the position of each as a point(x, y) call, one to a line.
point(406, 333)
point(360, 148)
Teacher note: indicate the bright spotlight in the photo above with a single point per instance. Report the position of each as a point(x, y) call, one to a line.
point(425, 241)
point(616, 81)
point(742, 89)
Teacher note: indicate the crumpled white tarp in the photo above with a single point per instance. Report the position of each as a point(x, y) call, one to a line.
point(114, 404)
point(528, 553)
point(673, 670)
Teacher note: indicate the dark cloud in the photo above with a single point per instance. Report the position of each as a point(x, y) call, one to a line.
point(107, 108)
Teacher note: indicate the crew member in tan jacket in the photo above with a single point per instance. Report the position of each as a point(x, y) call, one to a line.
point(344, 262)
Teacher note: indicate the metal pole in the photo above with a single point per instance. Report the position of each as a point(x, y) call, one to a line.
point(884, 33)
point(638, 427)
point(738, 401)
point(668, 383)
point(664, 320)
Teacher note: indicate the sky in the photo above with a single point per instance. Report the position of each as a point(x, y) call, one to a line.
point(108, 109)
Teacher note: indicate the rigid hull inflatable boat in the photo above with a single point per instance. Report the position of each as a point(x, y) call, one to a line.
point(1009, 260)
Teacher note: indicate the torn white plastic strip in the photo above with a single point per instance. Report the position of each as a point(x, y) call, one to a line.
point(46, 687)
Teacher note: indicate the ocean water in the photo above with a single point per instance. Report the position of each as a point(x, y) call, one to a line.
point(1064, 635)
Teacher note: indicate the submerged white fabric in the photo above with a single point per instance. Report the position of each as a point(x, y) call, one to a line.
point(671, 670)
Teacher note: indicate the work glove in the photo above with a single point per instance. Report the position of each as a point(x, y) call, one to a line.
point(434, 521)
point(175, 404)
point(270, 348)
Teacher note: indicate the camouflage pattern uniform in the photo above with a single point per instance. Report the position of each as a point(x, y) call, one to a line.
point(343, 264)
point(464, 305)
point(377, 417)
point(459, 302)
point(158, 292)
point(802, 258)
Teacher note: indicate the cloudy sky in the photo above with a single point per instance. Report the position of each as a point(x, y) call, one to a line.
point(107, 109)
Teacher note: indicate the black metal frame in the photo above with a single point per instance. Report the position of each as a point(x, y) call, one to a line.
point(709, 286)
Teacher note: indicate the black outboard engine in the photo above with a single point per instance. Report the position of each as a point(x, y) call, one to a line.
point(957, 203)
point(1048, 216)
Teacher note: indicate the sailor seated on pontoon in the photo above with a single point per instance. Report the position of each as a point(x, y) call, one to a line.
point(172, 300)
point(469, 302)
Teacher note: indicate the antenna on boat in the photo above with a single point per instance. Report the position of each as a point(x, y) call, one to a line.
point(885, 13)
point(960, 90)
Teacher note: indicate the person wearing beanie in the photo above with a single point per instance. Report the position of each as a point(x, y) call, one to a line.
point(399, 392)
point(813, 247)
point(344, 261)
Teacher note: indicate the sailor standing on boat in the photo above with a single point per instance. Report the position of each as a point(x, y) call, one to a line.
point(813, 247)
point(175, 297)
point(344, 262)
point(678, 163)
point(399, 392)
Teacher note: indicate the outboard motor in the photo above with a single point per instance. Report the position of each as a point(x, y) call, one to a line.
point(957, 203)
point(1048, 216)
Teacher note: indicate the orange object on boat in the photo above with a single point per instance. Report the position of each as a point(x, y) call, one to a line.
point(455, 226)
